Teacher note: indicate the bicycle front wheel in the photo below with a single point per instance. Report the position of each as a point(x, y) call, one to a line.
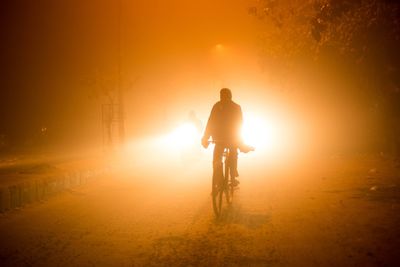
point(217, 193)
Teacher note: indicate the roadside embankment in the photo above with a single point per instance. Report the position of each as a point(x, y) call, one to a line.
point(34, 181)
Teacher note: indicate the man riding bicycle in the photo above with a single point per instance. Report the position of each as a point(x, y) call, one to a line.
point(224, 126)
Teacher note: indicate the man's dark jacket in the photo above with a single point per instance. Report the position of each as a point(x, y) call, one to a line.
point(225, 123)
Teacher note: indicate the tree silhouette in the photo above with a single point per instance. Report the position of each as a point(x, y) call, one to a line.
point(364, 35)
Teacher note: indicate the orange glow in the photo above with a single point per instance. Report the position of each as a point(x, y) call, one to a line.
point(105, 103)
point(260, 133)
point(272, 136)
point(183, 136)
point(219, 47)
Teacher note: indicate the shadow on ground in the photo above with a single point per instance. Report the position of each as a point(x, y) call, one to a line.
point(235, 214)
point(238, 238)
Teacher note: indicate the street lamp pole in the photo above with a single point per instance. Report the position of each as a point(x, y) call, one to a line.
point(121, 115)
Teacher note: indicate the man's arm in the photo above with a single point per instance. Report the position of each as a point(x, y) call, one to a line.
point(240, 119)
point(208, 130)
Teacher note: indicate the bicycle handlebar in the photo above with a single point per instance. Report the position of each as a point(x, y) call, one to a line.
point(242, 147)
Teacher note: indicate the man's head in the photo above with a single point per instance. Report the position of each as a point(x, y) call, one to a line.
point(225, 94)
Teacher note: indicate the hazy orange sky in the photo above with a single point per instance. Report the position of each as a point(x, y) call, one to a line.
point(175, 56)
point(51, 48)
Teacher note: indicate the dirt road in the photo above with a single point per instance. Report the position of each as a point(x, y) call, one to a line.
point(344, 215)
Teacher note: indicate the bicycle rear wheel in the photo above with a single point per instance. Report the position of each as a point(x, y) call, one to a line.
point(228, 188)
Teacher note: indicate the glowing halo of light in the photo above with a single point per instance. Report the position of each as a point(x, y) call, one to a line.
point(262, 133)
point(184, 135)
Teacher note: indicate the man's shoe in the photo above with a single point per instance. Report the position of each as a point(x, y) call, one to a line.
point(235, 182)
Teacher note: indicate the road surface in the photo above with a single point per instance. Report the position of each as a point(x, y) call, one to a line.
point(346, 214)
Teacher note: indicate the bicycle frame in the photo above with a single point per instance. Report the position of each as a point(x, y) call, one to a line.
point(223, 185)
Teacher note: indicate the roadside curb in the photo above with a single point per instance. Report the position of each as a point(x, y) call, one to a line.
point(40, 188)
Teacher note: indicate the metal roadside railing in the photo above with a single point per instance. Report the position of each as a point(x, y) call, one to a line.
point(21, 187)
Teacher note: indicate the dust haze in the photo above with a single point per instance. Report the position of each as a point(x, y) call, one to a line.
point(108, 88)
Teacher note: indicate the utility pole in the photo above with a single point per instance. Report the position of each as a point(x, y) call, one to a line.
point(120, 96)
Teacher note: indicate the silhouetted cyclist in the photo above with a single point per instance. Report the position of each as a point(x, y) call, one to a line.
point(224, 126)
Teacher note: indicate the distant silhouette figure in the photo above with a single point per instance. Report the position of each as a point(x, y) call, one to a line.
point(224, 126)
point(192, 118)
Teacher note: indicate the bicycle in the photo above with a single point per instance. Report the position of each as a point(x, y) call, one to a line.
point(225, 184)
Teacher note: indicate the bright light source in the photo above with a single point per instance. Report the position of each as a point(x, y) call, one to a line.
point(184, 135)
point(262, 133)
point(219, 46)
